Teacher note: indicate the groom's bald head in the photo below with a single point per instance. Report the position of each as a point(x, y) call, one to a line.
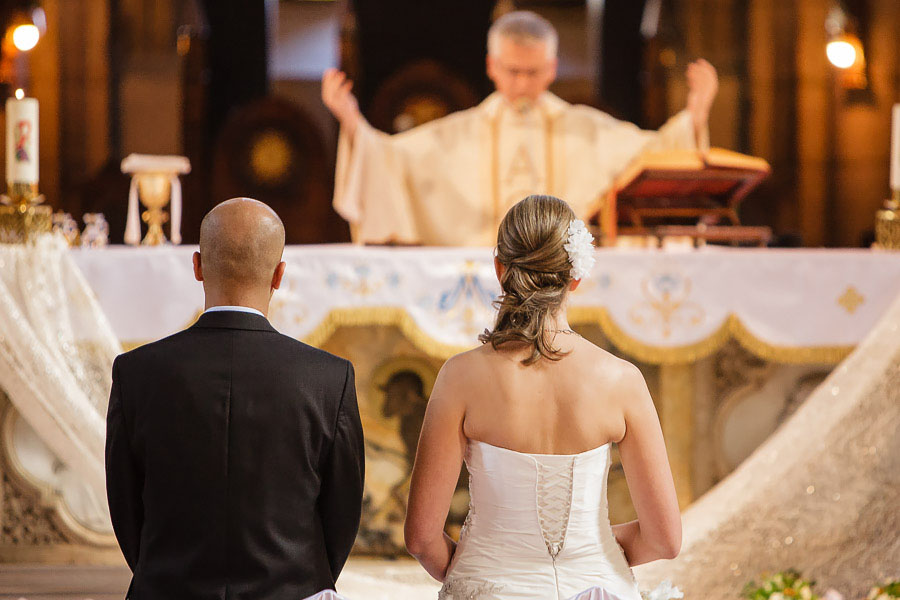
point(241, 243)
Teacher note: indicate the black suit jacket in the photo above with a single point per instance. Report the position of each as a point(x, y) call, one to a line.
point(234, 463)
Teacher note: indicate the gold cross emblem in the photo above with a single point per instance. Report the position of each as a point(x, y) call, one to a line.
point(851, 299)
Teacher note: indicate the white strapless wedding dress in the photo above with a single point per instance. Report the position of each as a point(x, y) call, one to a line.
point(538, 528)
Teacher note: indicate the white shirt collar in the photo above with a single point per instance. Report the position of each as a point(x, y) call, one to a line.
point(245, 309)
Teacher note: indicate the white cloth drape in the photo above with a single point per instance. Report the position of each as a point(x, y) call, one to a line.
point(56, 353)
point(820, 495)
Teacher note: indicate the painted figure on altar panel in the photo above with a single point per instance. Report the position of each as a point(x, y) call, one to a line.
point(450, 181)
point(393, 417)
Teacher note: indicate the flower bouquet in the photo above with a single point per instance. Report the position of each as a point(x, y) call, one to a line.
point(886, 591)
point(781, 586)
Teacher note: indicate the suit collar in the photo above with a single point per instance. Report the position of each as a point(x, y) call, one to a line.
point(232, 319)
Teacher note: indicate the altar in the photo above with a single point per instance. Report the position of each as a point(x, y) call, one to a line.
point(730, 340)
point(660, 307)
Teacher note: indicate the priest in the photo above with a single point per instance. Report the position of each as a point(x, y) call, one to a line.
point(450, 181)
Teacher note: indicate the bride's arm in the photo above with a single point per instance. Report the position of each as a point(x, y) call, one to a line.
point(435, 473)
point(657, 531)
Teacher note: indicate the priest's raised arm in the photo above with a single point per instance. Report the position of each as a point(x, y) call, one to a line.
point(450, 181)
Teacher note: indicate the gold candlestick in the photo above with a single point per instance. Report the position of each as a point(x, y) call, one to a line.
point(887, 224)
point(21, 214)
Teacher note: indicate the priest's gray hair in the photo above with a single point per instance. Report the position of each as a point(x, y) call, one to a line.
point(523, 27)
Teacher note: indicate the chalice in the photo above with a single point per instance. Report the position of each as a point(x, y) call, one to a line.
point(154, 191)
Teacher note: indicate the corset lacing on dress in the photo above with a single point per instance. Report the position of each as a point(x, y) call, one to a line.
point(554, 504)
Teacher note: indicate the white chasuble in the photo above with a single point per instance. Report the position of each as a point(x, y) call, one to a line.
point(449, 182)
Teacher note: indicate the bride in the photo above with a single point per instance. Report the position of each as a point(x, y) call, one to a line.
point(533, 413)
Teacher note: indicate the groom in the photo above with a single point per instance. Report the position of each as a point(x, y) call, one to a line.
point(234, 454)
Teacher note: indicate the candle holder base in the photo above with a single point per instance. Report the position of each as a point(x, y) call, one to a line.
point(887, 224)
point(20, 223)
point(22, 215)
point(23, 194)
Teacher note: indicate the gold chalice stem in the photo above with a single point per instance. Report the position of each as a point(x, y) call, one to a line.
point(154, 192)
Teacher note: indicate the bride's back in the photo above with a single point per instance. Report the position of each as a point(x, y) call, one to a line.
point(532, 412)
point(565, 406)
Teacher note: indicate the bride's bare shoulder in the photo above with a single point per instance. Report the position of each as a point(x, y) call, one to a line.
point(611, 371)
point(460, 368)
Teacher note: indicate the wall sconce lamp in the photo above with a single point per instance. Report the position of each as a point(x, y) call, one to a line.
point(845, 50)
point(26, 27)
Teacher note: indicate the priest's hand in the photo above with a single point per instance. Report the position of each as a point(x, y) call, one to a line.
point(703, 84)
point(337, 96)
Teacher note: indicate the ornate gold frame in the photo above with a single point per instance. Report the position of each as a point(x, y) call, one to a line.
point(85, 542)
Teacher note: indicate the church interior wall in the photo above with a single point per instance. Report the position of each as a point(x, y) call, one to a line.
point(777, 99)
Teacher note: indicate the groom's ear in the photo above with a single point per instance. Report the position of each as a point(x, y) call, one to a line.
point(198, 269)
point(279, 273)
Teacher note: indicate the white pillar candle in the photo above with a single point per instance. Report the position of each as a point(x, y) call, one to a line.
point(22, 141)
point(895, 149)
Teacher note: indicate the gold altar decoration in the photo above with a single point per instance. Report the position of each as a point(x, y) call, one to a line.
point(732, 328)
point(887, 224)
point(22, 214)
point(154, 191)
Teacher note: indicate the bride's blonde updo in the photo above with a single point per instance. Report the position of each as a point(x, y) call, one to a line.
point(536, 277)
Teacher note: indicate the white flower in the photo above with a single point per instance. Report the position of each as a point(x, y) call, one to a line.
point(580, 248)
point(664, 591)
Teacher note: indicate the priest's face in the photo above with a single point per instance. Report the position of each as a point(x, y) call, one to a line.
point(521, 72)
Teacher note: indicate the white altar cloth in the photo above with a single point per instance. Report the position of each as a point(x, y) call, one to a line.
point(798, 305)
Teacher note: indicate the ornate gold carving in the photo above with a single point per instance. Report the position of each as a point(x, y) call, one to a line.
point(851, 299)
point(887, 224)
point(34, 501)
point(24, 520)
point(735, 367)
point(21, 222)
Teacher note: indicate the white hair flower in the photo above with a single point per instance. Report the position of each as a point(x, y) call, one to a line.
point(664, 591)
point(580, 248)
